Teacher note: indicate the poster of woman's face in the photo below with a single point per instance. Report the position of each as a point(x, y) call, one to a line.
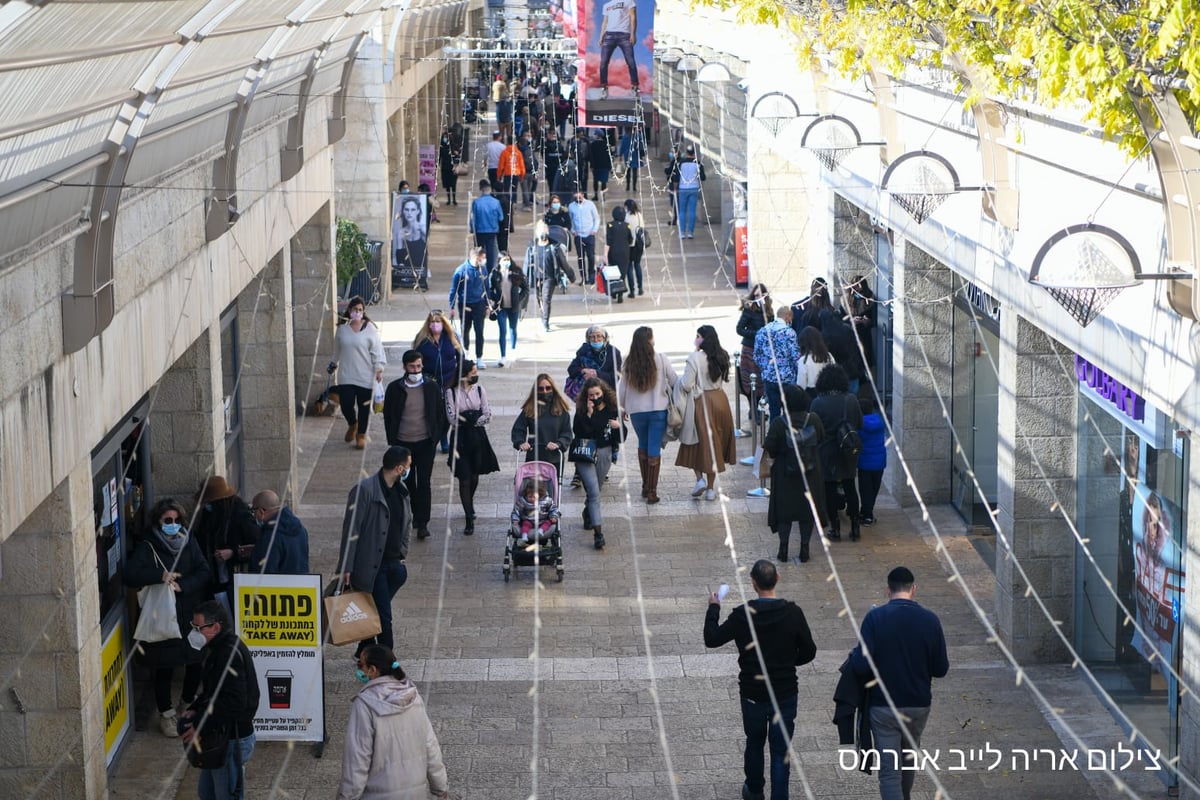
point(1158, 578)
point(410, 219)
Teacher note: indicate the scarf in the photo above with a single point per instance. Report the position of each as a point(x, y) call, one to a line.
point(174, 544)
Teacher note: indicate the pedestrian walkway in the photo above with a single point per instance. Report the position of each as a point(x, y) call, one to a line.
point(466, 636)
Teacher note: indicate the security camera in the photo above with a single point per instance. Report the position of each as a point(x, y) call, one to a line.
point(743, 85)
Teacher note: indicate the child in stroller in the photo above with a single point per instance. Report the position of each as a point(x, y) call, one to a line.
point(534, 507)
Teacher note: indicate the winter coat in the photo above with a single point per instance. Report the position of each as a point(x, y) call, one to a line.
point(606, 361)
point(873, 457)
point(227, 525)
point(548, 428)
point(142, 570)
point(597, 427)
point(282, 547)
point(832, 408)
point(365, 530)
point(619, 239)
point(231, 693)
point(391, 751)
point(439, 359)
point(394, 399)
point(519, 292)
point(750, 323)
point(788, 502)
point(852, 714)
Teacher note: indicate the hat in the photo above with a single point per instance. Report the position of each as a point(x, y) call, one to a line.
point(216, 488)
point(495, 134)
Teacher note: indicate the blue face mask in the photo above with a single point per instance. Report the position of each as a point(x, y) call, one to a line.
point(404, 475)
point(172, 528)
point(362, 676)
point(597, 345)
point(556, 206)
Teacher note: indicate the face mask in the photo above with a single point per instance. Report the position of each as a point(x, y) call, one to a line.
point(506, 263)
point(196, 640)
point(474, 379)
point(597, 345)
point(171, 528)
point(699, 342)
point(556, 206)
point(414, 380)
point(404, 475)
point(356, 315)
point(405, 191)
point(435, 327)
point(362, 676)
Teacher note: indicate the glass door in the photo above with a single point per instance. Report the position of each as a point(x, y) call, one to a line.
point(974, 398)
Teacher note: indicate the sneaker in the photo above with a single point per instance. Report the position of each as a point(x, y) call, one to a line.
point(868, 520)
point(500, 363)
point(168, 724)
point(422, 533)
point(576, 482)
point(603, 92)
point(699, 488)
point(710, 495)
point(480, 364)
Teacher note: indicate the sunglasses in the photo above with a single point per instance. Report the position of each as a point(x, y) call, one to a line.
point(545, 390)
point(169, 520)
point(196, 627)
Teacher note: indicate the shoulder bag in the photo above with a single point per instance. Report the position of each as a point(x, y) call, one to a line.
point(158, 621)
point(583, 451)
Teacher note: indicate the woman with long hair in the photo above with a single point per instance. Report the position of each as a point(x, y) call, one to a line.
point(471, 454)
point(706, 442)
point(636, 223)
point(791, 481)
point(756, 312)
point(596, 419)
point(863, 311)
point(644, 394)
point(441, 355)
point(814, 357)
point(542, 430)
point(835, 405)
point(817, 303)
point(508, 294)
point(359, 359)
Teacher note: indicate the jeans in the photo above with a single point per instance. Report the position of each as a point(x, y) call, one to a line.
point(869, 481)
point(687, 211)
point(894, 783)
point(356, 405)
point(418, 479)
point(593, 476)
point(585, 248)
point(631, 176)
point(506, 318)
point(488, 242)
point(634, 273)
point(391, 576)
point(229, 781)
point(546, 293)
point(649, 427)
point(473, 316)
point(759, 729)
point(617, 41)
point(774, 393)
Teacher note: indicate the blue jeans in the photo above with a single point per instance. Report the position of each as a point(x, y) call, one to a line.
point(756, 723)
point(490, 245)
point(774, 393)
point(610, 43)
point(507, 318)
point(895, 783)
point(687, 211)
point(391, 576)
point(228, 782)
point(593, 476)
point(649, 427)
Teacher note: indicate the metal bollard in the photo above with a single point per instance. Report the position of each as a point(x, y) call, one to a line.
point(760, 414)
point(749, 460)
point(738, 433)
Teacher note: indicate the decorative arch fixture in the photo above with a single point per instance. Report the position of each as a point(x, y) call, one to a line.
point(920, 181)
point(775, 110)
point(672, 55)
point(714, 72)
point(690, 62)
point(831, 138)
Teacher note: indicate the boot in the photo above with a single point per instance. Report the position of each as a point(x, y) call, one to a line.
point(587, 520)
point(642, 458)
point(360, 442)
point(855, 531)
point(835, 529)
point(598, 538)
point(782, 556)
point(469, 530)
point(804, 538)
point(653, 463)
point(352, 431)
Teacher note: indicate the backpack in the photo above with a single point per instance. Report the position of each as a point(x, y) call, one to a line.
point(848, 441)
point(804, 442)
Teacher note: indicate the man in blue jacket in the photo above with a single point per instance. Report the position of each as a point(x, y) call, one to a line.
point(909, 650)
point(282, 547)
point(486, 217)
point(468, 299)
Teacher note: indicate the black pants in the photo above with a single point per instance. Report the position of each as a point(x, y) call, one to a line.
point(850, 490)
point(356, 405)
point(546, 294)
point(491, 247)
point(420, 494)
point(473, 316)
point(869, 481)
point(585, 249)
point(162, 685)
point(631, 176)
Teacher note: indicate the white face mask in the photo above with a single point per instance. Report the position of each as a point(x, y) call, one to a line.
point(414, 379)
point(196, 640)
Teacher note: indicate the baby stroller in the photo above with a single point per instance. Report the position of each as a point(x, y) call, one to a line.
point(544, 547)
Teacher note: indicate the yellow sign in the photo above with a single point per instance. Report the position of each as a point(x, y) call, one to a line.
point(278, 616)
point(116, 690)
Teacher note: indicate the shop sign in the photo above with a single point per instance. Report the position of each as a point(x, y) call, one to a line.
point(741, 249)
point(1109, 389)
point(279, 619)
point(116, 690)
point(983, 302)
point(427, 166)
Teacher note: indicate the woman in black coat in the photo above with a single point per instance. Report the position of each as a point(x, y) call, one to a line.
point(225, 530)
point(449, 156)
point(834, 404)
point(790, 486)
point(596, 419)
point(619, 241)
point(756, 313)
point(542, 431)
point(171, 555)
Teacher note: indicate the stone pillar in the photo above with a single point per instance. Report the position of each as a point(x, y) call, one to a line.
point(188, 424)
point(853, 241)
point(268, 380)
point(50, 650)
point(1037, 421)
point(1189, 704)
point(314, 307)
point(922, 430)
point(361, 157)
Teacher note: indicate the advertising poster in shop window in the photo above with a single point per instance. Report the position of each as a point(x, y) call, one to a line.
point(410, 236)
point(279, 619)
point(616, 47)
point(1158, 578)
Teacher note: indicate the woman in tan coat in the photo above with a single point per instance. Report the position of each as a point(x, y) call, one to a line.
point(391, 751)
point(706, 442)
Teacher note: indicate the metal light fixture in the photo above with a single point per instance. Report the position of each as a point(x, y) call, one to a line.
point(672, 55)
point(714, 72)
point(689, 62)
point(831, 138)
point(775, 110)
point(920, 181)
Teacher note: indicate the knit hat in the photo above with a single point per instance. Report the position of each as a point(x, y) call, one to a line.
point(216, 488)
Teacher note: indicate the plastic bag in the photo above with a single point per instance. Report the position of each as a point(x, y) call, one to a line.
point(158, 621)
point(377, 397)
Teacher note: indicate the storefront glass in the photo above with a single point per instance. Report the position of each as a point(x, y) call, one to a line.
point(975, 403)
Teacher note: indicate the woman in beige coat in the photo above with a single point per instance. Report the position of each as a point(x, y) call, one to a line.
point(706, 442)
point(391, 751)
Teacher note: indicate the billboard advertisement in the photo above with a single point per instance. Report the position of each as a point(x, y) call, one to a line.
point(1158, 577)
point(616, 42)
point(410, 235)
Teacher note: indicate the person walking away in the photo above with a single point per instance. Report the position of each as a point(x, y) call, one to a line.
point(562, 113)
point(583, 157)
point(487, 215)
point(757, 311)
point(585, 224)
point(596, 418)
point(391, 751)
point(776, 354)
point(814, 357)
point(673, 184)
point(441, 354)
point(600, 153)
point(504, 115)
point(508, 294)
point(414, 416)
point(492, 158)
point(872, 461)
point(632, 152)
point(843, 346)
point(618, 241)
point(774, 630)
point(359, 360)
point(170, 555)
point(797, 483)
point(542, 431)
point(691, 174)
point(376, 529)
point(468, 298)
point(282, 547)
point(633, 218)
point(552, 161)
point(529, 182)
point(545, 261)
point(842, 419)
point(471, 455)
point(643, 394)
point(706, 442)
point(511, 172)
point(449, 158)
point(228, 700)
point(908, 647)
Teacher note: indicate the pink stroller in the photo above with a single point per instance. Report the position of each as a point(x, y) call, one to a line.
point(544, 547)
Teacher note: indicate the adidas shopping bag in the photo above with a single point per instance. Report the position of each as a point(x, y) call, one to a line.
point(352, 617)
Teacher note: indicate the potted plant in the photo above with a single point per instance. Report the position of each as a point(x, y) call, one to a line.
point(352, 253)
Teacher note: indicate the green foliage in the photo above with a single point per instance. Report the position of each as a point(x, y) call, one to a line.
point(1098, 53)
point(352, 250)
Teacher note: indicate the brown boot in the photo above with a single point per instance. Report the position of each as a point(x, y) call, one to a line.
point(652, 466)
point(360, 442)
point(351, 432)
point(642, 468)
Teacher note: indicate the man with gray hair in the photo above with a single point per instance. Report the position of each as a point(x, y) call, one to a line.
point(545, 261)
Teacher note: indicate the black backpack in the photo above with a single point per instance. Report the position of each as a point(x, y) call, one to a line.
point(849, 441)
point(803, 442)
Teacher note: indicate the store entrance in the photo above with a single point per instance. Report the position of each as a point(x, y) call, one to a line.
point(975, 408)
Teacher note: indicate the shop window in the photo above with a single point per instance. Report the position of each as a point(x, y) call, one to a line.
point(231, 395)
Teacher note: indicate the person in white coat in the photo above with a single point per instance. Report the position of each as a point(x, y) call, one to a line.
point(391, 751)
point(706, 442)
point(359, 361)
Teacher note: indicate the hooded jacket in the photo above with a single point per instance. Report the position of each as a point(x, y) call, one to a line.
point(391, 751)
point(783, 637)
point(282, 547)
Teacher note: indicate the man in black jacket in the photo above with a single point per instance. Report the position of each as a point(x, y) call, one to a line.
point(770, 633)
point(228, 699)
point(414, 416)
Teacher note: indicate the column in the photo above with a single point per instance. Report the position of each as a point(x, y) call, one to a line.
point(314, 306)
point(1189, 704)
point(50, 652)
point(923, 432)
point(188, 420)
point(854, 250)
point(361, 157)
point(1037, 420)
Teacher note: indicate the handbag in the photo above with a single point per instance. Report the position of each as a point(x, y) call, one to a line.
point(352, 617)
point(573, 385)
point(158, 621)
point(461, 169)
point(583, 451)
point(643, 237)
point(210, 748)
